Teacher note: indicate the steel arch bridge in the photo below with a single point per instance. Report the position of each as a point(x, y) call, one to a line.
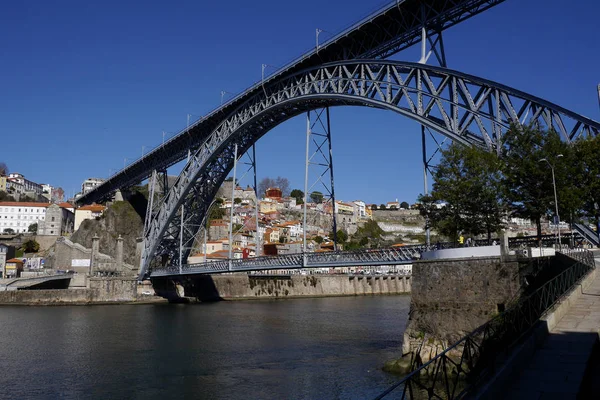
point(465, 108)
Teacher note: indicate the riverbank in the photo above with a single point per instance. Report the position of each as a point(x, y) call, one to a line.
point(245, 287)
point(67, 297)
point(236, 287)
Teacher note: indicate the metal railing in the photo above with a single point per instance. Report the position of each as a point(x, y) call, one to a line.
point(365, 257)
point(459, 368)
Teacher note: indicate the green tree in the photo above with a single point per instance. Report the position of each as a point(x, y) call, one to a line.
point(374, 207)
point(32, 228)
point(316, 197)
point(587, 152)
point(467, 193)
point(237, 200)
point(342, 236)
point(31, 246)
point(382, 207)
point(318, 239)
point(404, 205)
point(297, 194)
point(9, 231)
point(527, 181)
point(369, 232)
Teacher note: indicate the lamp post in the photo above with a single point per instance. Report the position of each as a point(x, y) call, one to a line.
point(555, 197)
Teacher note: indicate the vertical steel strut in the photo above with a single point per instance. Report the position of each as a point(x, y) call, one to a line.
point(318, 137)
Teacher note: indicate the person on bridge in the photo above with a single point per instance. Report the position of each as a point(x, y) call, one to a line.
point(461, 240)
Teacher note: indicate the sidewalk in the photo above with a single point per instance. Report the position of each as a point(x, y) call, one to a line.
point(557, 369)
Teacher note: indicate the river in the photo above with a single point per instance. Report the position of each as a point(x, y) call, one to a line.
point(325, 348)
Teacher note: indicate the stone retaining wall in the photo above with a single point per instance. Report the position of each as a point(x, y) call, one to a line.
point(241, 286)
point(101, 290)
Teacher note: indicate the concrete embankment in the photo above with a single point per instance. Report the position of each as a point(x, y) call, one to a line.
point(100, 291)
point(239, 287)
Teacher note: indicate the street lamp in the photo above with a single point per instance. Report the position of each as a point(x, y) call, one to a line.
point(555, 197)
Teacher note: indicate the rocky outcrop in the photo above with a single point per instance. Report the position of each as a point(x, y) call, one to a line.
point(120, 218)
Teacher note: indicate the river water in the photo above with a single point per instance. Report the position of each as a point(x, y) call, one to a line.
point(326, 348)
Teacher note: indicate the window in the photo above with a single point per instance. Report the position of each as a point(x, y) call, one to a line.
point(52, 232)
point(52, 219)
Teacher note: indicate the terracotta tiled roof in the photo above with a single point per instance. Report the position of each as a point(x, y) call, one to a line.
point(15, 260)
point(65, 205)
point(25, 204)
point(93, 208)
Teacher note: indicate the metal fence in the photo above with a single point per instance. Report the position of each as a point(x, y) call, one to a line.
point(459, 368)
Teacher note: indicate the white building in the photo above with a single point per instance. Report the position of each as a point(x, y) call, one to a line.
point(360, 209)
point(47, 191)
point(90, 183)
point(27, 185)
point(19, 216)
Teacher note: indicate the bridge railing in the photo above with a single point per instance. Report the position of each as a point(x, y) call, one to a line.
point(364, 257)
point(459, 368)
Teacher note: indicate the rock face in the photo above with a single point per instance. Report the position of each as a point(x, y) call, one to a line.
point(120, 218)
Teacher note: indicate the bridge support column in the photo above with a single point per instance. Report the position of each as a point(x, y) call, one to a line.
point(437, 48)
point(235, 153)
point(318, 139)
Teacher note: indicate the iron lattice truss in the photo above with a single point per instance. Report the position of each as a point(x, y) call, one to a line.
point(387, 31)
point(463, 107)
point(391, 256)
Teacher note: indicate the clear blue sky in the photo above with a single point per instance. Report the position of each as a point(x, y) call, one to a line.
point(86, 84)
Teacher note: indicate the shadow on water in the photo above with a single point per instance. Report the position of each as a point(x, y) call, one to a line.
point(185, 289)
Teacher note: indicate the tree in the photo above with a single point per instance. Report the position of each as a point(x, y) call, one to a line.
point(394, 208)
point(316, 197)
point(467, 193)
point(9, 231)
point(298, 195)
point(342, 236)
point(58, 195)
point(31, 246)
point(282, 183)
point(374, 207)
point(587, 152)
point(404, 205)
point(382, 207)
point(6, 197)
point(527, 181)
point(32, 228)
point(3, 168)
point(371, 232)
point(318, 239)
point(237, 200)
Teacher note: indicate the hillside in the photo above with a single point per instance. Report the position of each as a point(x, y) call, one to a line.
point(120, 218)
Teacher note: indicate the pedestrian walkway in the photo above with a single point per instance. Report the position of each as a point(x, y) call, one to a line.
point(557, 369)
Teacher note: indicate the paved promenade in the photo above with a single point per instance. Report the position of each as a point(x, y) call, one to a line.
point(556, 370)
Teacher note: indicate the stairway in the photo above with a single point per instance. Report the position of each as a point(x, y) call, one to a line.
point(587, 233)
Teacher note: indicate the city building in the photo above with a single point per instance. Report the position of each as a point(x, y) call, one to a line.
point(92, 211)
point(13, 268)
point(47, 191)
point(2, 183)
point(6, 253)
point(273, 193)
point(59, 221)
point(19, 216)
point(27, 185)
point(90, 183)
point(360, 209)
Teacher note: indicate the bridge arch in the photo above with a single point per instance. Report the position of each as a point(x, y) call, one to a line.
point(465, 108)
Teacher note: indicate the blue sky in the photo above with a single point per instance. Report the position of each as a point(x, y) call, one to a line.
point(85, 85)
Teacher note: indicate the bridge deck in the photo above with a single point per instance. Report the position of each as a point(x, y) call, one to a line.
point(385, 32)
